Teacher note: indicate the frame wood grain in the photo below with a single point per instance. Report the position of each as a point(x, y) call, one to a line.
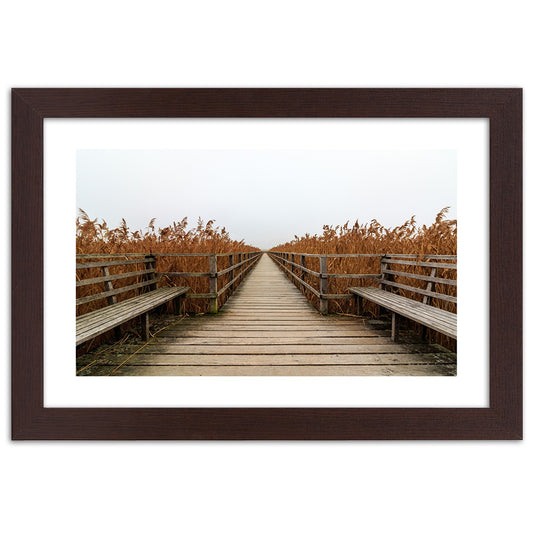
point(502, 420)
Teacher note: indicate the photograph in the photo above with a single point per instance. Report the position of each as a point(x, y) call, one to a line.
point(248, 262)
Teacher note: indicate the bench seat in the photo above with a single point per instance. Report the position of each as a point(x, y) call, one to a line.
point(97, 322)
point(437, 319)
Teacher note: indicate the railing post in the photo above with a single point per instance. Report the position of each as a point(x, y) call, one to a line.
point(292, 260)
point(383, 286)
point(232, 273)
point(108, 286)
point(430, 286)
point(304, 273)
point(213, 301)
point(384, 275)
point(145, 318)
point(151, 265)
point(323, 284)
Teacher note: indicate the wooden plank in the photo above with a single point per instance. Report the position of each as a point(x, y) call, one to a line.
point(279, 336)
point(99, 264)
point(177, 348)
point(186, 327)
point(293, 306)
point(284, 360)
point(110, 256)
point(185, 274)
point(411, 256)
point(285, 340)
point(296, 370)
point(421, 277)
point(111, 277)
point(451, 266)
point(107, 294)
point(354, 276)
point(277, 254)
point(266, 313)
point(444, 297)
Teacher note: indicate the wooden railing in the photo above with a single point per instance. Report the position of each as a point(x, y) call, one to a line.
point(144, 277)
point(295, 265)
point(239, 263)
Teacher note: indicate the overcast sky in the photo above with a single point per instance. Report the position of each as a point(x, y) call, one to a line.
point(266, 196)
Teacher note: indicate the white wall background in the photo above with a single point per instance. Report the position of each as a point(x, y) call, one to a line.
point(233, 487)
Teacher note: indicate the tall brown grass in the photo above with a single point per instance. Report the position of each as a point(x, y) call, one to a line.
point(439, 238)
point(96, 237)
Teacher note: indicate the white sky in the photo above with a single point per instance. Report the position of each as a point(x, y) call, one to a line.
point(266, 196)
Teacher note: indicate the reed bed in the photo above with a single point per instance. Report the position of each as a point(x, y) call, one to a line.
point(439, 238)
point(94, 237)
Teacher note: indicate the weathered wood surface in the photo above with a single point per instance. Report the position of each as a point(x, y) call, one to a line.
point(432, 317)
point(425, 292)
point(99, 264)
point(114, 292)
point(109, 277)
point(97, 322)
point(267, 328)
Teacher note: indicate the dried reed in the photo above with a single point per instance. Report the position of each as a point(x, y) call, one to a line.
point(94, 237)
point(440, 238)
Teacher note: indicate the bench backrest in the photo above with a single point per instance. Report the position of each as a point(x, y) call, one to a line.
point(139, 273)
point(425, 270)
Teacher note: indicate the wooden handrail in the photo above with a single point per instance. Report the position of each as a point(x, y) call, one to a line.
point(159, 254)
point(298, 271)
point(452, 266)
point(243, 258)
point(406, 256)
point(305, 284)
point(100, 264)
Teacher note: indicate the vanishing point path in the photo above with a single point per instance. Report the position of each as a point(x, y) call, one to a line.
point(268, 328)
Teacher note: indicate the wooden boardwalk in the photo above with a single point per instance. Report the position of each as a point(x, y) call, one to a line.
point(268, 328)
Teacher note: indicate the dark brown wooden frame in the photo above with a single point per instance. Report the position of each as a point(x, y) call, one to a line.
point(502, 420)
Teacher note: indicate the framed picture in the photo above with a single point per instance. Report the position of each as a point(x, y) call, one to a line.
point(266, 264)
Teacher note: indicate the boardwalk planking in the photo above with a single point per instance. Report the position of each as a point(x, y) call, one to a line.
point(268, 328)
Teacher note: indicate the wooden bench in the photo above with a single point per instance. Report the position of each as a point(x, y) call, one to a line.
point(94, 323)
point(422, 312)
